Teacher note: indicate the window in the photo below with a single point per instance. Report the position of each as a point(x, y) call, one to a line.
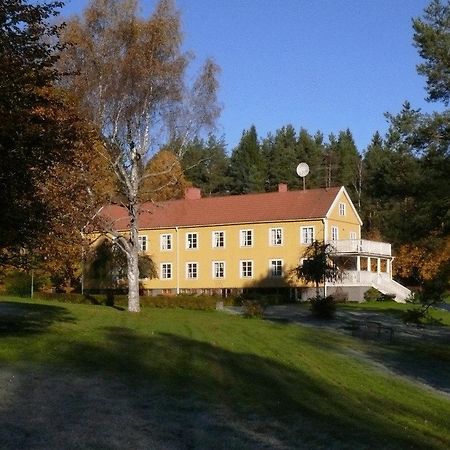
point(246, 269)
point(334, 233)
point(191, 270)
point(166, 242)
point(353, 235)
point(276, 236)
point(142, 243)
point(342, 209)
point(276, 268)
point(218, 239)
point(307, 235)
point(166, 271)
point(246, 238)
point(218, 269)
point(191, 240)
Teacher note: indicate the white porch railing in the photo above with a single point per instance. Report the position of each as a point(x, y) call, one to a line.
point(358, 278)
point(361, 247)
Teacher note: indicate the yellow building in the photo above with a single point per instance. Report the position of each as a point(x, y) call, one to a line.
point(229, 243)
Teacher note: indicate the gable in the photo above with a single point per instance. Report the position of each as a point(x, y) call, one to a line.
point(350, 216)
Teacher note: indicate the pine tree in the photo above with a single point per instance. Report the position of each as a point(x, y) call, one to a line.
point(311, 150)
point(283, 158)
point(432, 38)
point(347, 156)
point(248, 169)
point(205, 164)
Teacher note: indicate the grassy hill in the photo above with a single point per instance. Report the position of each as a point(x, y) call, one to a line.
point(81, 376)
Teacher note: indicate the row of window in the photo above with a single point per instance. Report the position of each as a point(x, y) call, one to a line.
point(218, 269)
point(276, 238)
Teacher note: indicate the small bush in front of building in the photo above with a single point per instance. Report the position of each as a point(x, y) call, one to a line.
point(372, 295)
point(252, 308)
point(183, 301)
point(323, 307)
point(200, 302)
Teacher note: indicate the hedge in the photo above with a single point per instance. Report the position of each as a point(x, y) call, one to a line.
point(201, 302)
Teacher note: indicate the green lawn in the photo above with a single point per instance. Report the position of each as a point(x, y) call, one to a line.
point(193, 379)
point(396, 309)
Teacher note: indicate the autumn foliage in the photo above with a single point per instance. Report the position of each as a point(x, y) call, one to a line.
point(422, 263)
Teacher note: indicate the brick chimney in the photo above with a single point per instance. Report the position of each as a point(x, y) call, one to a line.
point(192, 193)
point(282, 187)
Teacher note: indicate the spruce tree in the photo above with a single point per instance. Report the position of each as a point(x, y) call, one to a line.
point(248, 169)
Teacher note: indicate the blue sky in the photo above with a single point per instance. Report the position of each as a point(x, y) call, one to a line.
point(318, 64)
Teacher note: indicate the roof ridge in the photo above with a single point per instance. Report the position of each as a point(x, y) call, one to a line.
point(241, 195)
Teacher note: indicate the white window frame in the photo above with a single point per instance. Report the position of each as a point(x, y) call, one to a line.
point(278, 262)
point(243, 237)
point(243, 272)
point(164, 268)
point(353, 235)
point(334, 233)
point(213, 239)
point(306, 240)
point(166, 238)
point(188, 243)
point(342, 209)
point(216, 264)
point(273, 238)
point(189, 273)
point(143, 242)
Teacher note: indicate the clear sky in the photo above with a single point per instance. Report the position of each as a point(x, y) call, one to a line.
point(318, 64)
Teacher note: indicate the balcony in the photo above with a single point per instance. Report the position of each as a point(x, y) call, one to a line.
point(361, 247)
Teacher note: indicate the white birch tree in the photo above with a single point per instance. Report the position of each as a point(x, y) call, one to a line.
point(129, 74)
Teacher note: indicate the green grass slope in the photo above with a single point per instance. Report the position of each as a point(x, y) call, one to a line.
point(194, 379)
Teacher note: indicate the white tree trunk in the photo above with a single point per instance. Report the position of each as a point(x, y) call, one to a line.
point(133, 280)
point(133, 253)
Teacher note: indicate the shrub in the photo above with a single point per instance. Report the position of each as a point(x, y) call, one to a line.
point(387, 298)
point(200, 302)
point(109, 299)
point(420, 316)
point(19, 283)
point(323, 307)
point(372, 295)
point(414, 316)
point(252, 308)
point(66, 297)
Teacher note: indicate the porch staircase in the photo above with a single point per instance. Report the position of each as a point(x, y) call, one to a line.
point(380, 281)
point(391, 287)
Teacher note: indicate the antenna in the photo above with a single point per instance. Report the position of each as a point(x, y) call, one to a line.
point(302, 171)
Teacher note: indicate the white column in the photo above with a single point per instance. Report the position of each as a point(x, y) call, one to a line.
point(369, 269)
point(378, 265)
point(358, 263)
point(388, 266)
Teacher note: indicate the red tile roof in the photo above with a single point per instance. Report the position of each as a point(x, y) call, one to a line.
point(248, 208)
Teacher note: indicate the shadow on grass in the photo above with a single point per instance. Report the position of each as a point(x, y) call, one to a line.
point(128, 390)
point(285, 404)
point(18, 319)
